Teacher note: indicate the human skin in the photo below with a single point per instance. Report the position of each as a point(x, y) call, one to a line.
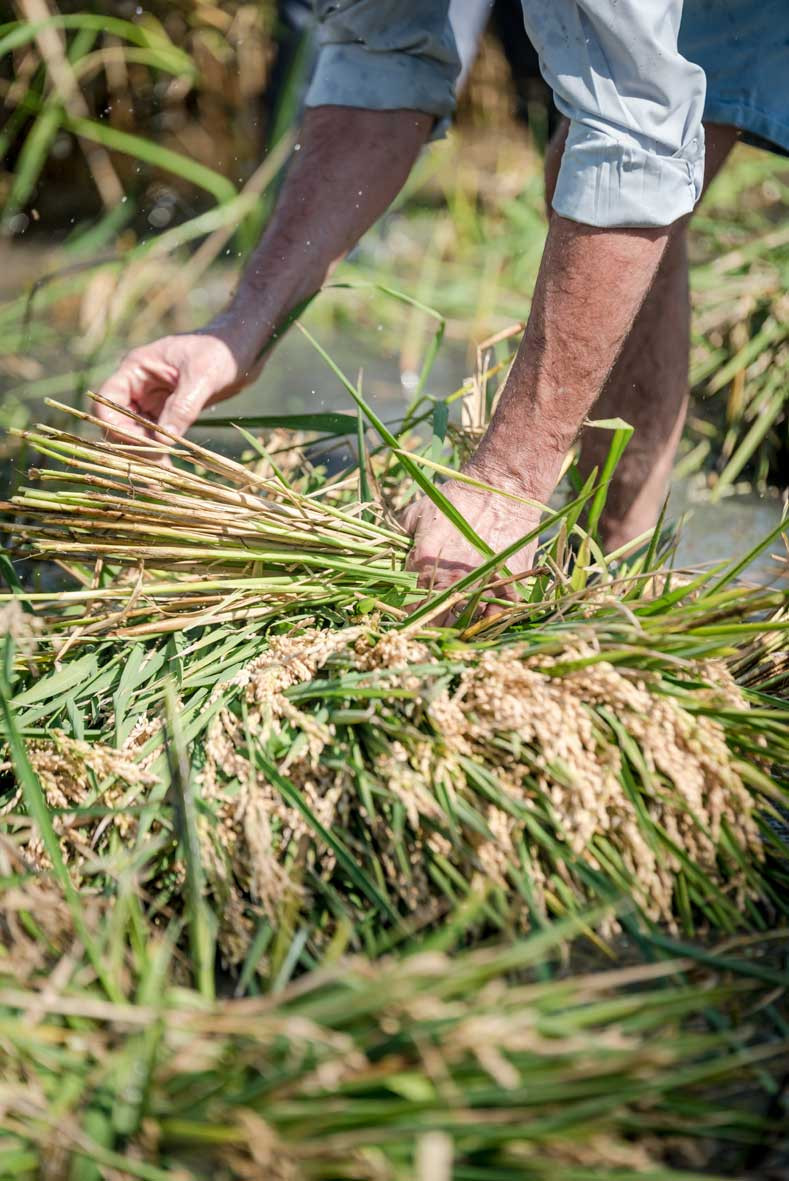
point(350, 166)
point(648, 385)
point(590, 287)
point(625, 293)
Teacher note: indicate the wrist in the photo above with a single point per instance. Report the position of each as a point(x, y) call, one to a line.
point(525, 462)
point(255, 312)
point(246, 326)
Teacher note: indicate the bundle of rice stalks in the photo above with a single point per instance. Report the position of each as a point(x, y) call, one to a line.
point(426, 1067)
point(209, 538)
point(347, 775)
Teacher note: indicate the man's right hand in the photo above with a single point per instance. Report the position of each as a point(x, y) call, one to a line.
point(342, 150)
point(172, 380)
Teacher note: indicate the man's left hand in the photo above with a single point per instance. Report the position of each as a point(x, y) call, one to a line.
point(441, 555)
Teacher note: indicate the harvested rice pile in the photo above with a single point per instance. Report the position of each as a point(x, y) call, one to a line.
point(418, 1067)
point(237, 744)
point(349, 770)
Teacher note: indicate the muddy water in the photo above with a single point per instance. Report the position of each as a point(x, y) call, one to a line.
point(716, 530)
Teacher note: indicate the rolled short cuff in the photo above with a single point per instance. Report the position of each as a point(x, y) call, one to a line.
point(355, 76)
point(607, 183)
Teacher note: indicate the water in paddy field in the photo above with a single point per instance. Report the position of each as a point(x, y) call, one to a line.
point(729, 528)
point(296, 380)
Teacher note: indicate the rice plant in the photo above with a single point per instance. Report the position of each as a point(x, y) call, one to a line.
point(424, 1066)
point(243, 750)
point(353, 766)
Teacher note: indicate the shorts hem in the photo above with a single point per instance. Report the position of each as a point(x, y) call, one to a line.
point(750, 121)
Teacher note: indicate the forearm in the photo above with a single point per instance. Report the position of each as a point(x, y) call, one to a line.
point(592, 283)
point(350, 165)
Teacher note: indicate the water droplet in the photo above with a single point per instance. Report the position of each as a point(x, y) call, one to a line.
point(17, 223)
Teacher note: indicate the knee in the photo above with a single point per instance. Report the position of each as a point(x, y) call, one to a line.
point(553, 160)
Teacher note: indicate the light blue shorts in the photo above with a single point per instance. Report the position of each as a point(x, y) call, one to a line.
point(743, 48)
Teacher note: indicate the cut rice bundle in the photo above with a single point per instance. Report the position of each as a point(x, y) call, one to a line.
point(419, 1067)
point(210, 535)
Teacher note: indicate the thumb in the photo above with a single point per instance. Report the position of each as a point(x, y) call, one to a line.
point(409, 517)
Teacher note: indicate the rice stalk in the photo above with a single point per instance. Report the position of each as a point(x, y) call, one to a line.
point(356, 766)
point(352, 1069)
point(195, 535)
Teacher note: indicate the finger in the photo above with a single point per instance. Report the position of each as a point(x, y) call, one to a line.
point(409, 517)
point(119, 390)
point(183, 407)
point(433, 574)
point(413, 561)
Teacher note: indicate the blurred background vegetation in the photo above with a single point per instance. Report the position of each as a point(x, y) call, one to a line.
point(142, 147)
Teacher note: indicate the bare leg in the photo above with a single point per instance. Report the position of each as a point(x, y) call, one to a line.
point(648, 388)
point(648, 385)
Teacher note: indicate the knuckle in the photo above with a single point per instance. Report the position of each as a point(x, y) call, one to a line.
point(188, 402)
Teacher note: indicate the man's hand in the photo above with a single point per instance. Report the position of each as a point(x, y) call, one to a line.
point(172, 380)
point(441, 555)
point(343, 151)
